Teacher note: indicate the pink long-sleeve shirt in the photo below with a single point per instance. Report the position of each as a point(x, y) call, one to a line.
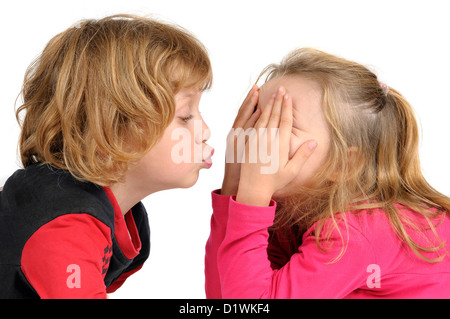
point(240, 262)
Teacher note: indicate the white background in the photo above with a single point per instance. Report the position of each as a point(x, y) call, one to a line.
point(405, 42)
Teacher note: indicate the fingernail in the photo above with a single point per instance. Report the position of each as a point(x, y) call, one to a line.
point(281, 90)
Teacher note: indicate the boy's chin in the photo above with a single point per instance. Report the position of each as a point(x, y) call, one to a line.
point(189, 182)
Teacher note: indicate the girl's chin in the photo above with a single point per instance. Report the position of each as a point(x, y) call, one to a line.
point(281, 194)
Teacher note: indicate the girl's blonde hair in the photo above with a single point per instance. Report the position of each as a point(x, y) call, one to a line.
point(102, 93)
point(373, 161)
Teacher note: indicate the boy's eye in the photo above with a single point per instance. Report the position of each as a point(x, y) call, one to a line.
point(187, 118)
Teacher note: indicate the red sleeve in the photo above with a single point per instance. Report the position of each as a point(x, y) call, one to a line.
point(218, 227)
point(68, 257)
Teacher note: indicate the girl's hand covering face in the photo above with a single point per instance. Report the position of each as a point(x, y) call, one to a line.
point(272, 131)
point(246, 118)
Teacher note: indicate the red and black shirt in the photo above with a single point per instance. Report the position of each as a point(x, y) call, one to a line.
point(62, 238)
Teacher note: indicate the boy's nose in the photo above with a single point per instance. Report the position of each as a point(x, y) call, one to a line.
point(203, 135)
point(206, 135)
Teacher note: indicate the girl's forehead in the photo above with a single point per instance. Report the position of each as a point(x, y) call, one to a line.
point(306, 95)
point(270, 87)
point(301, 89)
point(292, 83)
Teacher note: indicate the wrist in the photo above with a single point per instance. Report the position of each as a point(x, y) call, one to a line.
point(230, 182)
point(228, 190)
point(253, 196)
point(229, 186)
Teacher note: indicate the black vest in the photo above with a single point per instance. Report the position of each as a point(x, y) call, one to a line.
point(36, 195)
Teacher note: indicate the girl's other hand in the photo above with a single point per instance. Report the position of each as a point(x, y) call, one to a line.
point(246, 118)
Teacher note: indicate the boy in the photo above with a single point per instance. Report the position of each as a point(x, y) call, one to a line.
point(101, 102)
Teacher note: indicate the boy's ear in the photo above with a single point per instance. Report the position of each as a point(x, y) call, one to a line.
point(352, 156)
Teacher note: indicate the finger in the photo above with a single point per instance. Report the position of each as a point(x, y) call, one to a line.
point(238, 147)
point(301, 156)
point(248, 97)
point(285, 130)
point(274, 120)
point(247, 108)
point(252, 120)
point(287, 118)
point(233, 135)
point(250, 93)
point(265, 114)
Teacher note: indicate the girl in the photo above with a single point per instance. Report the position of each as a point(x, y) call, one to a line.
point(348, 214)
point(100, 105)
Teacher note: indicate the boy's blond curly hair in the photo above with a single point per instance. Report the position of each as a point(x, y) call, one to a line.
point(102, 93)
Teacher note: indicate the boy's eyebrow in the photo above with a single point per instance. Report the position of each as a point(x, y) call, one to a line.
point(185, 99)
point(183, 104)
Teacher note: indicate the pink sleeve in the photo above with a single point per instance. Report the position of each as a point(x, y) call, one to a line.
point(245, 270)
point(218, 227)
point(68, 257)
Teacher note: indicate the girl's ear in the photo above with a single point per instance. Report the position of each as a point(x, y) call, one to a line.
point(352, 164)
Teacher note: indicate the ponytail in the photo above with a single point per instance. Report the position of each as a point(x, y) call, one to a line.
point(399, 177)
point(398, 147)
